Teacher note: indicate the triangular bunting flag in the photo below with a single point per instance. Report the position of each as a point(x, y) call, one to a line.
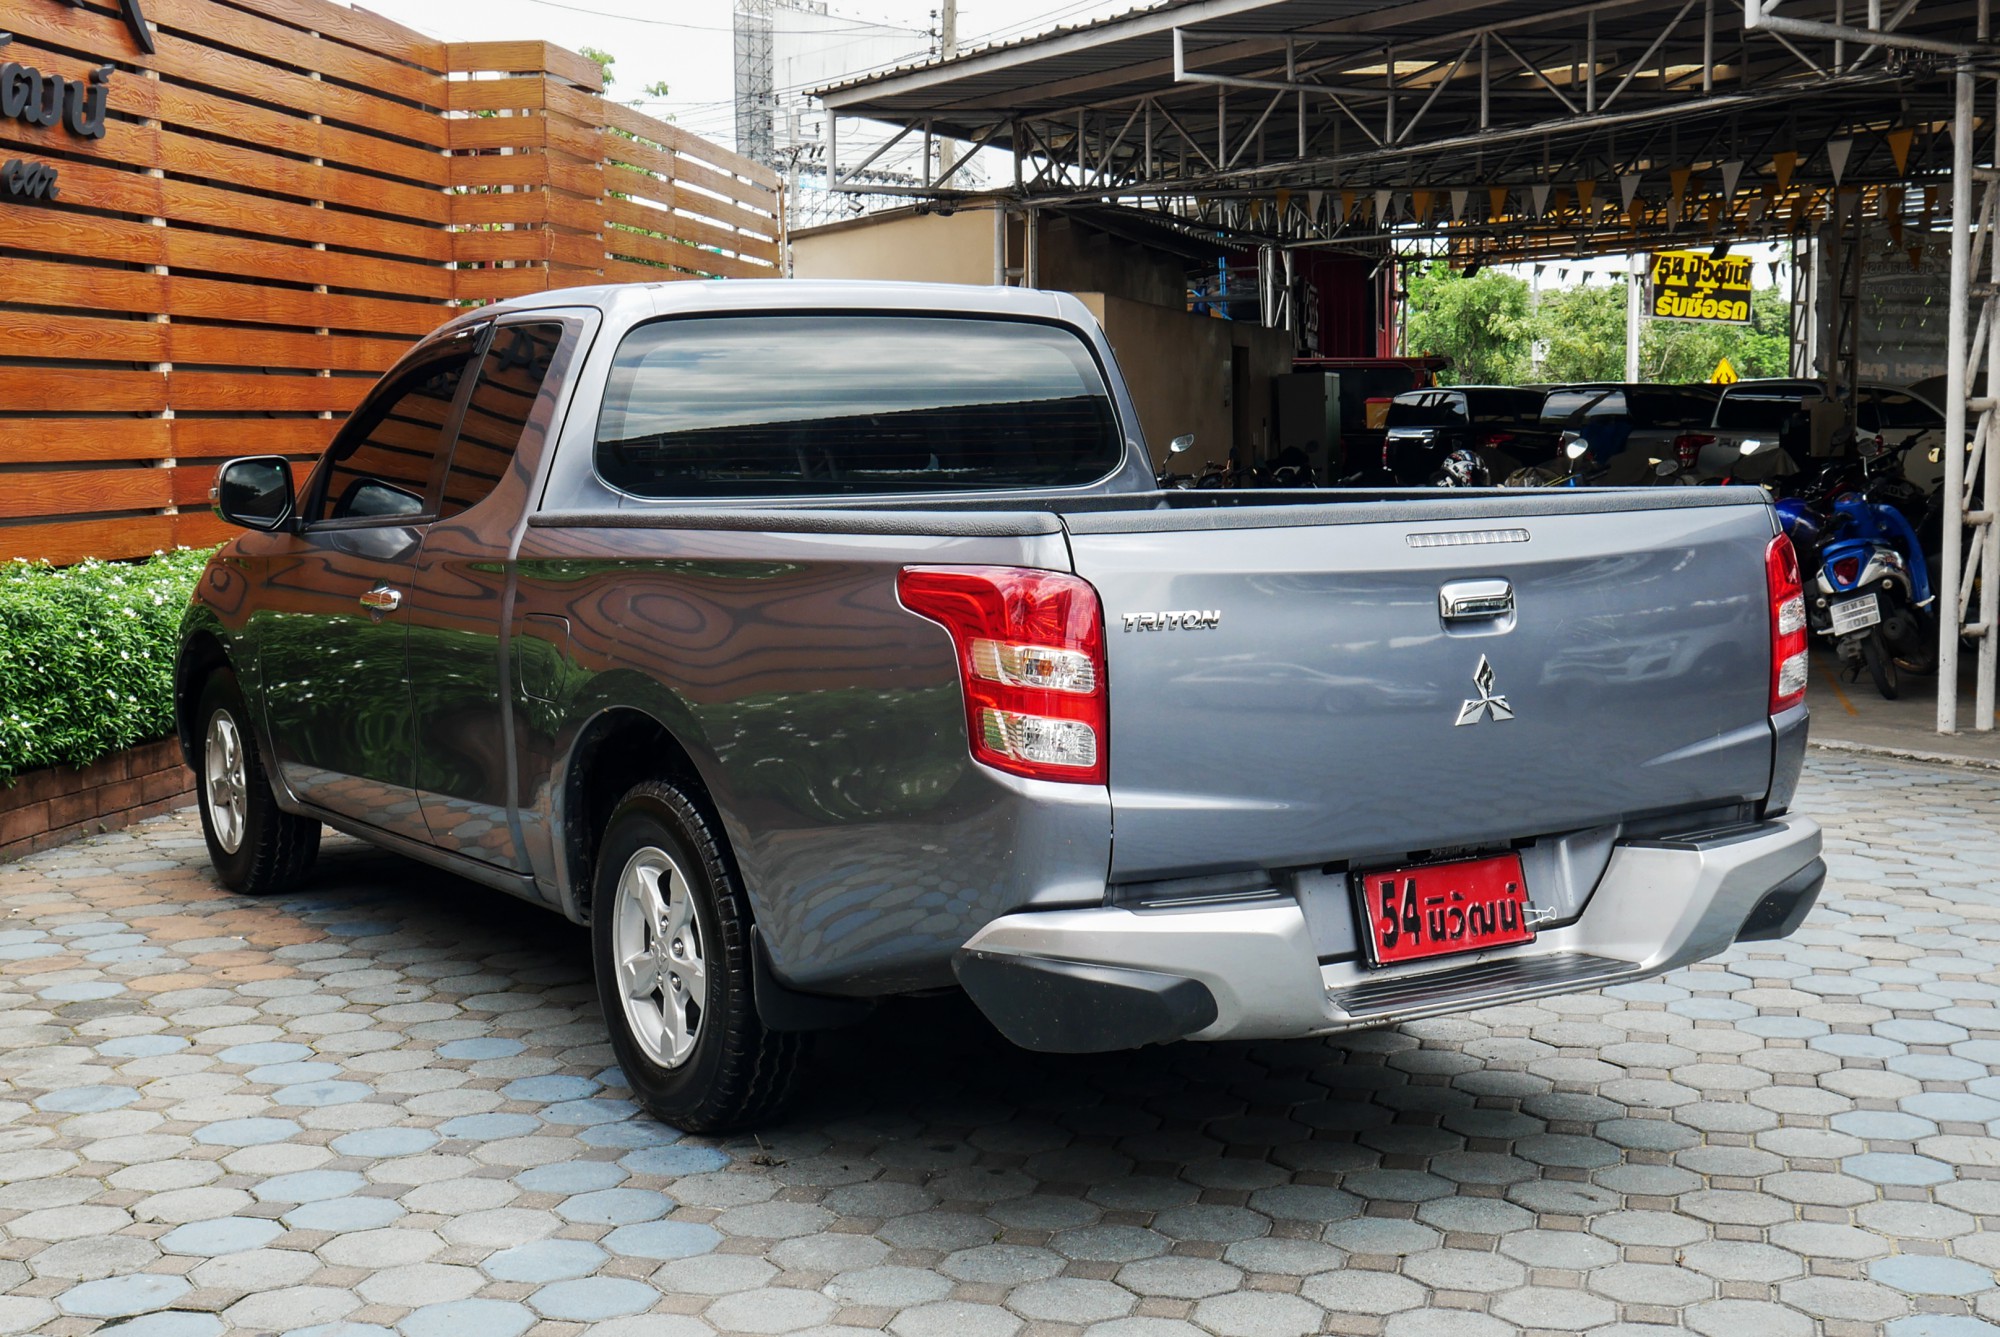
point(1420, 205)
point(1837, 151)
point(1383, 199)
point(1628, 187)
point(1782, 167)
point(1347, 201)
point(1496, 202)
point(1538, 196)
point(1458, 199)
point(1899, 148)
point(1732, 172)
point(1586, 193)
point(1677, 179)
point(1313, 199)
point(1284, 202)
point(1673, 210)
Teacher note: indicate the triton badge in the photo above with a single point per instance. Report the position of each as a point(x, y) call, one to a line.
point(1475, 710)
point(1195, 619)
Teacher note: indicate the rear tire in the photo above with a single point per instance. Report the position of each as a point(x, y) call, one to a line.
point(255, 846)
point(1881, 665)
point(670, 944)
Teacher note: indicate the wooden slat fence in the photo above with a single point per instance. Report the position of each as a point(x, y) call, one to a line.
point(284, 194)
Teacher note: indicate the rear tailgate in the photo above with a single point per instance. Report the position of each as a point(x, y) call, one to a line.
point(1318, 707)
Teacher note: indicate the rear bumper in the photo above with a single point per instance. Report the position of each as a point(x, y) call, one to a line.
point(1659, 906)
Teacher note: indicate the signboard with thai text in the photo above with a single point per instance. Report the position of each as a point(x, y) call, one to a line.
point(1693, 285)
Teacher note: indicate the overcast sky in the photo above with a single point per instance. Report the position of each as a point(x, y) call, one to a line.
point(686, 43)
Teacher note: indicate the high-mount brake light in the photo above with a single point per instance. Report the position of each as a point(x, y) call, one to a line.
point(1788, 625)
point(1030, 660)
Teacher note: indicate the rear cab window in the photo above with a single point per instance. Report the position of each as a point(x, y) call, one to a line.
point(1428, 408)
point(1572, 407)
point(1507, 406)
point(838, 404)
point(1764, 412)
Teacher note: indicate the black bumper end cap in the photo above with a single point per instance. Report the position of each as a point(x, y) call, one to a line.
point(1785, 906)
point(1074, 1007)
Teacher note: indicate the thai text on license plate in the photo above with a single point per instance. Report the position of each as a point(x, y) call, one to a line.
point(1856, 614)
point(1409, 914)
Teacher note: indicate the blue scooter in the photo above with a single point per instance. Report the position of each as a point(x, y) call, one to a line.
point(1871, 588)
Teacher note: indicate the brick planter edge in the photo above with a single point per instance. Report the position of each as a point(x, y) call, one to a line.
point(51, 807)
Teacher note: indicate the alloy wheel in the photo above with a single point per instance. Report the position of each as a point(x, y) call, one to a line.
point(656, 941)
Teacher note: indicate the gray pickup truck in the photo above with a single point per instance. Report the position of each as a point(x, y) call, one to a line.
point(815, 643)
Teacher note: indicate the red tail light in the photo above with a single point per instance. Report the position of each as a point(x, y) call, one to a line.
point(1687, 448)
point(1495, 438)
point(1788, 625)
point(1031, 661)
point(1846, 570)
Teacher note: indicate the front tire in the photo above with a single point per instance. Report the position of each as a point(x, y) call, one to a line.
point(255, 846)
point(670, 946)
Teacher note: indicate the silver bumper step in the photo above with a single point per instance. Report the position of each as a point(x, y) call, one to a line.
point(1470, 986)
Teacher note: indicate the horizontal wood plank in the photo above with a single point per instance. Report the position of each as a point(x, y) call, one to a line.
point(80, 492)
point(64, 544)
point(77, 440)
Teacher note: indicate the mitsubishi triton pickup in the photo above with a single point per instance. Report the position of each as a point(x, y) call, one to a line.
point(814, 643)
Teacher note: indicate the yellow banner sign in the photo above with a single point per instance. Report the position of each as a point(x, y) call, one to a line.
point(1689, 285)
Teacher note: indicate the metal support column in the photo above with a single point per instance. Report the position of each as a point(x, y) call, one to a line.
point(1970, 563)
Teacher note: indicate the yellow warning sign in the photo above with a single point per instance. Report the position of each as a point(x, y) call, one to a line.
point(1724, 374)
point(1691, 285)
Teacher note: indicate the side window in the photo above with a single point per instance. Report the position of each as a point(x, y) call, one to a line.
point(503, 397)
point(381, 464)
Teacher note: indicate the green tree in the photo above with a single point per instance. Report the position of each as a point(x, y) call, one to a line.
point(1582, 331)
point(1481, 323)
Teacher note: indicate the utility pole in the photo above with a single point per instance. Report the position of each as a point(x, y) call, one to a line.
point(1633, 297)
point(947, 48)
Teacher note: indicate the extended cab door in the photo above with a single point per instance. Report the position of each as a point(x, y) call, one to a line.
point(331, 627)
point(460, 589)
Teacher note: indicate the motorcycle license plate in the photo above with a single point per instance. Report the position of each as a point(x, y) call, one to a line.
point(1855, 614)
point(1410, 914)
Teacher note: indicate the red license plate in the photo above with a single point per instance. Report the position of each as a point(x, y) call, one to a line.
point(1443, 908)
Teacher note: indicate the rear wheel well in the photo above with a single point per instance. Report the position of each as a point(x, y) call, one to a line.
point(618, 750)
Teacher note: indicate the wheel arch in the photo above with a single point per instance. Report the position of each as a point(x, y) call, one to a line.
point(201, 654)
point(621, 747)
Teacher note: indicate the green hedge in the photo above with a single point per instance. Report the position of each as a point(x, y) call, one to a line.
point(87, 656)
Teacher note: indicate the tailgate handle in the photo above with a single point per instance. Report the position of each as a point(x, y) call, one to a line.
point(1470, 600)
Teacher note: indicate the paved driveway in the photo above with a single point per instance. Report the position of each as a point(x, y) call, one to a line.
point(387, 1105)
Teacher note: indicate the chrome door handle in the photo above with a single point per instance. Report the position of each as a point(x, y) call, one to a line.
point(382, 600)
point(1468, 600)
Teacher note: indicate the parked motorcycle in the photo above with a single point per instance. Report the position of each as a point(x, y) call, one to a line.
point(1870, 589)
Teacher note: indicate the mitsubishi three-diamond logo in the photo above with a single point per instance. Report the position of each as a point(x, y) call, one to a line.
point(1477, 709)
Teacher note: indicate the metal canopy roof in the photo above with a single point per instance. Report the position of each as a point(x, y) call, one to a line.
point(1534, 126)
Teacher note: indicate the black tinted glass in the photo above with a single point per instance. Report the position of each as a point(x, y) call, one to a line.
point(1748, 413)
point(497, 413)
point(1896, 410)
point(1505, 405)
point(1575, 406)
point(1670, 408)
point(381, 463)
point(814, 405)
point(1427, 408)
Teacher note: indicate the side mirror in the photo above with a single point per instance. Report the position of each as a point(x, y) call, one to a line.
point(1574, 446)
point(1181, 444)
point(1666, 468)
point(255, 492)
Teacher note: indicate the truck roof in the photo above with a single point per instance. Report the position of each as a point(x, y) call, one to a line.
point(698, 296)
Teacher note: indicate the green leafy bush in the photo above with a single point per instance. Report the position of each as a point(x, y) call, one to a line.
point(87, 656)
